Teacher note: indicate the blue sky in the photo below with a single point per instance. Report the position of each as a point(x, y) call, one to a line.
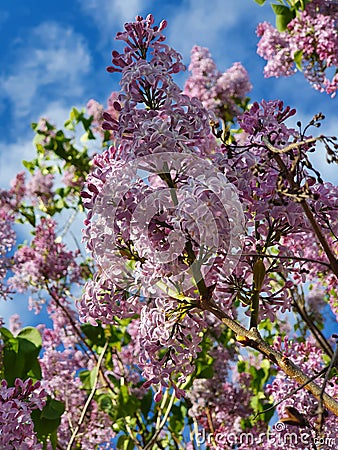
point(54, 55)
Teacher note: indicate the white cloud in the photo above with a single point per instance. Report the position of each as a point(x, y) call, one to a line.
point(109, 15)
point(207, 23)
point(11, 154)
point(53, 59)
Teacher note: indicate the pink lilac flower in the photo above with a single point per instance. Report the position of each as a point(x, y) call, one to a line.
point(39, 187)
point(71, 178)
point(10, 200)
point(220, 93)
point(311, 35)
point(102, 301)
point(15, 323)
point(97, 110)
point(274, 46)
point(46, 259)
point(160, 329)
point(16, 406)
point(267, 120)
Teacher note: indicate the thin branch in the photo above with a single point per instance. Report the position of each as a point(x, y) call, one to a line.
point(212, 429)
point(253, 339)
point(69, 223)
point(314, 377)
point(152, 441)
point(80, 336)
point(294, 258)
point(161, 408)
point(292, 146)
point(89, 399)
point(318, 335)
point(306, 208)
point(133, 437)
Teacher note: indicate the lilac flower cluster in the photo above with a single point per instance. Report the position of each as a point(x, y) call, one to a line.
point(46, 259)
point(39, 187)
point(311, 37)
point(16, 406)
point(168, 347)
point(221, 93)
point(171, 122)
point(10, 200)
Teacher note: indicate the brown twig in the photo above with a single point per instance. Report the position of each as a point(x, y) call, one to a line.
point(253, 339)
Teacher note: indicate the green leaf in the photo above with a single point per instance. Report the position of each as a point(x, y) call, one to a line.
point(9, 362)
point(94, 334)
point(6, 334)
point(284, 15)
point(20, 354)
point(207, 372)
point(105, 402)
point(125, 443)
point(28, 213)
point(298, 57)
point(47, 421)
point(147, 401)
point(282, 22)
point(30, 165)
point(128, 404)
point(260, 2)
point(241, 366)
point(54, 439)
point(53, 410)
point(35, 370)
point(88, 377)
point(32, 335)
point(280, 9)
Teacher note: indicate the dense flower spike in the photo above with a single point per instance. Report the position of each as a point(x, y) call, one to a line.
point(16, 406)
point(45, 260)
point(39, 187)
point(225, 94)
